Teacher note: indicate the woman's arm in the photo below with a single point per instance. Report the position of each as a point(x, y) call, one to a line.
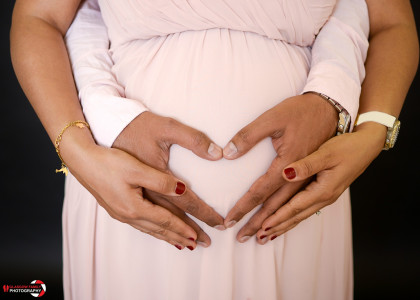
point(41, 63)
point(392, 58)
point(390, 68)
point(115, 178)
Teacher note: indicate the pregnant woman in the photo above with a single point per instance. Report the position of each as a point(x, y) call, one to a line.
point(215, 67)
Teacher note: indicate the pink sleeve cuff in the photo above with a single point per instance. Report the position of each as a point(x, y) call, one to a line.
point(338, 56)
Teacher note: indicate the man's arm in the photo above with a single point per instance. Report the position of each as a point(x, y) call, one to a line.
point(338, 55)
point(104, 104)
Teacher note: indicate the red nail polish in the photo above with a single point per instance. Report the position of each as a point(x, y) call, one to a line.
point(190, 247)
point(178, 246)
point(191, 239)
point(273, 237)
point(267, 229)
point(263, 237)
point(180, 188)
point(290, 173)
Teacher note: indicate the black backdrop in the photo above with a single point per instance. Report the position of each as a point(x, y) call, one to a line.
point(384, 199)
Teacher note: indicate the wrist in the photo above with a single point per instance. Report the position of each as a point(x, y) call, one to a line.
point(75, 145)
point(325, 109)
point(375, 132)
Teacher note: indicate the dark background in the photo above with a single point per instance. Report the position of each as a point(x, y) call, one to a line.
point(384, 199)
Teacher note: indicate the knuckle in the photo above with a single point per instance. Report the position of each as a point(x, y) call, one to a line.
point(239, 212)
point(307, 167)
point(328, 156)
point(164, 184)
point(198, 139)
point(131, 215)
point(244, 135)
point(168, 126)
point(170, 122)
point(161, 231)
point(327, 196)
point(191, 208)
point(123, 214)
point(255, 197)
point(295, 209)
point(297, 220)
point(253, 225)
point(270, 209)
point(115, 217)
point(165, 224)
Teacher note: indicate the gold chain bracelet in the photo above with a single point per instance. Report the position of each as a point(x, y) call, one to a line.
point(79, 124)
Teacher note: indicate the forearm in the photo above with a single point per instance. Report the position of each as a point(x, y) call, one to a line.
point(42, 67)
point(392, 61)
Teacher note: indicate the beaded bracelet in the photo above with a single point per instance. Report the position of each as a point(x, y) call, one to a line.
point(79, 124)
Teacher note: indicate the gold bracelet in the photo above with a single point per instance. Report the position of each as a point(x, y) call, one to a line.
point(79, 124)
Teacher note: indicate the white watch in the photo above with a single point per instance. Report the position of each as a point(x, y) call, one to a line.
point(387, 120)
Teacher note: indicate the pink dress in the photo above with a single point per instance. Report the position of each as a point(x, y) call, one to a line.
point(216, 66)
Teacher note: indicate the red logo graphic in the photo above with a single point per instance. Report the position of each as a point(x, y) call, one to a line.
point(37, 288)
point(43, 286)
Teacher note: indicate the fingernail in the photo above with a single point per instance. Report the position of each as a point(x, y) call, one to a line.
point(290, 173)
point(263, 237)
point(191, 239)
point(202, 244)
point(215, 151)
point(231, 223)
point(220, 227)
point(180, 188)
point(230, 149)
point(244, 239)
point(267, 229)
point(190, 247)
point(178, 247)
point(273, 237)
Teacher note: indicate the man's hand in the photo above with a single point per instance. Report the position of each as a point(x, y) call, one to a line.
point(297, 127)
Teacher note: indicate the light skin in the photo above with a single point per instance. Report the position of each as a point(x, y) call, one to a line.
point(142, 173)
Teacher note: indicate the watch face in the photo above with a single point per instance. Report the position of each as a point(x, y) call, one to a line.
point(391, 137)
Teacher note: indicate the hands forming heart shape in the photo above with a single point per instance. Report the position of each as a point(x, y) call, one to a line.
point(141, 191)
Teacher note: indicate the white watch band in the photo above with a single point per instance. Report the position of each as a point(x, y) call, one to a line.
point(376, 116)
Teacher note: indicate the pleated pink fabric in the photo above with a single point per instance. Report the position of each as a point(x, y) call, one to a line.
point(214, 65)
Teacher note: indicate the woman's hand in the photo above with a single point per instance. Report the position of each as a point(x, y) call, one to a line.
point(138, 189)
point(297, 127)
point(336, 164)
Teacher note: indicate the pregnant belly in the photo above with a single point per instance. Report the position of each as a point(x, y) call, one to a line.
point(216, 81)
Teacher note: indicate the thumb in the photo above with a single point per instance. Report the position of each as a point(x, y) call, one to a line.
point(307, 166)
point(152, 179)
point(194, 140)
point(247, 137)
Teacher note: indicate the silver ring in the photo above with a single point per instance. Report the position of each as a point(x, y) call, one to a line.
point(318, 213)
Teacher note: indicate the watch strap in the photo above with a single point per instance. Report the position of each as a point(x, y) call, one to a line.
point(376, 116)
point(344, 118)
